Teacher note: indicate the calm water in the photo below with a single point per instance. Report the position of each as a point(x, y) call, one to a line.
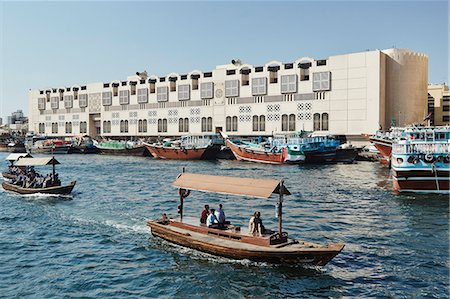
point(97, 243)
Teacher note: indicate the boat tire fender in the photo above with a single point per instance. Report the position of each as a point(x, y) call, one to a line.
point(429, 158)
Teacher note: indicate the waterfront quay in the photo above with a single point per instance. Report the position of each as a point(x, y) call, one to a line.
point(96, 242)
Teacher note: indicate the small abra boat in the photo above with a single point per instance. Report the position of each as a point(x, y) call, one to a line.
point(51, 146)
point(229, 241)
point(53, 187)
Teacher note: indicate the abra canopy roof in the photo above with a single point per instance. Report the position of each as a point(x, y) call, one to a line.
point(36, 161)
point(229, 185)
point(15, 157)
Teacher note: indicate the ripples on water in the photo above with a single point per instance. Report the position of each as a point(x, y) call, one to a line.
point(98, 245)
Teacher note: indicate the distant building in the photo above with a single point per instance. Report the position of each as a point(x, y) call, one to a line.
point(1, 121)
point(346, 94)
point(439, 104)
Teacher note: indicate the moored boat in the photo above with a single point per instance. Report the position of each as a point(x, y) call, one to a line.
point(421, 163)
point(166, 151)
point(120, 148)
point(246, 151)
point(229, 240)
point(51, 146)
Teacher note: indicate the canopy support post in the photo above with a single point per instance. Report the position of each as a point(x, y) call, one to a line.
point(280, 208)
point(53, 164)
point(181, 204)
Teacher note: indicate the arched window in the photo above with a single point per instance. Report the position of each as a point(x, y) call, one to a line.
point(324, 121)
point(164, 124)
point(159, 125)
point(203, 124)
point(228, 124)
point(140, 126)
point(186, 124)
point(209, 124)
point(262, 123)
point(144, 126)
point(125, 127)
point(234, 124)
point(255, 123)
point(291, 122)
point(316, 122)
point(180, 125)
point(284, 122)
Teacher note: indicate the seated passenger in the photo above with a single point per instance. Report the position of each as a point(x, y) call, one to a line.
point(204, 215)
point(212, 221)
point(255, 226)
point(220, 215)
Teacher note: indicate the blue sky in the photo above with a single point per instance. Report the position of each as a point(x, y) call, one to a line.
point(52, 44)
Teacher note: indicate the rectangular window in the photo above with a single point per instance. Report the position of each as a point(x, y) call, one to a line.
point(142, 95)
point(321, 81)
point(289, 84)
point(207, 75)
point(184, 92)
point(107, 98)
point(207, 90)
point(41, 103)
point(83, 127)
point(54, 104)
point(231, 72)
point(445, 118)
point(68, 102)
point(259, 86)
point(321, 62)
point(445, 108)
point(162, 94)
point(232, 88)
point(259, 69)
point(124, 97)
point(83, 100)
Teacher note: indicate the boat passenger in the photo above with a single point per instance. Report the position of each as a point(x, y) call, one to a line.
point(204, 215)
point(220, 215)
point(255, 226)
point(212, 221)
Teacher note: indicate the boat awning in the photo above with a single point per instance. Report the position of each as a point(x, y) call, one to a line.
point(16, 156)
point(36, 161)
point(229, 185)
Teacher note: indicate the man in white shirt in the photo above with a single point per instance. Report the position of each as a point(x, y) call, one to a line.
point(212, 221)
point(220, 215)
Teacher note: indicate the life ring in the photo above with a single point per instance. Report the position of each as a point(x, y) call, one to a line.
point(183, 192)
point(447, 159)
point(429, 158)
point(411, 159)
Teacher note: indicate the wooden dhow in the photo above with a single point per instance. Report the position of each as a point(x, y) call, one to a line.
point(229, 241)
point(12, 158)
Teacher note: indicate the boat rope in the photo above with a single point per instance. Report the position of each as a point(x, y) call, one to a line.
point(434, 170)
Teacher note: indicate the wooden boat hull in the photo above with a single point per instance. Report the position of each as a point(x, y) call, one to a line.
point(320, 156)
point(61, 190)
point(383, 146)
point(49, 150)
point(346, 155)
point(421, 181)
point(307, 256)
point(8, 176)
point(138, 151)
point(245, 154)
point(170, 153)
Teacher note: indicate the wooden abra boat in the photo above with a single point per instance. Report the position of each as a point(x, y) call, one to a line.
point(55, 185)
point(229, 241)
point(62, 190)
point(161, 151)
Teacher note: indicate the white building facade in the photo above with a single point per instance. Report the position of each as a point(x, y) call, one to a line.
point(343, 94)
